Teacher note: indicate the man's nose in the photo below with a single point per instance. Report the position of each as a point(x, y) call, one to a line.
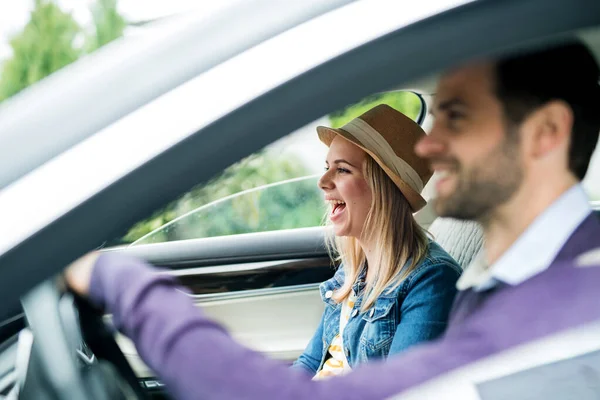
point(430, 146)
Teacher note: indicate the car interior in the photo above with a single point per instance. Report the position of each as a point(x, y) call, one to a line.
point(267, 273)
point(246, 282)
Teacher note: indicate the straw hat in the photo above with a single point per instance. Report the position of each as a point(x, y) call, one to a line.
point(389, 137)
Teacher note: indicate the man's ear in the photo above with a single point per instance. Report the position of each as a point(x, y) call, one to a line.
point(551, 127)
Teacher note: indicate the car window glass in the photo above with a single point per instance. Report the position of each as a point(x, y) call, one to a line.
point(273, 189)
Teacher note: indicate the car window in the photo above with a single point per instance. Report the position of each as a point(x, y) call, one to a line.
point(289, 204)
point(273, 189)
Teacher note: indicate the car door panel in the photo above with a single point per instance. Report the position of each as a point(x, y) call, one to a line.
point(276, 322)
point(262, 287)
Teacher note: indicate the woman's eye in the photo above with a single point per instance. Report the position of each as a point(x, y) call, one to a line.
point(343, 171)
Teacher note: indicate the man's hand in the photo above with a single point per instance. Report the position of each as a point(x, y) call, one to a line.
point(79, 274)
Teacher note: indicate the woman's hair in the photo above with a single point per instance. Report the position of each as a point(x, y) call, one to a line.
point(399, 238)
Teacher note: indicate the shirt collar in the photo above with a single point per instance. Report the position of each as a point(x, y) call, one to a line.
point(535, 249)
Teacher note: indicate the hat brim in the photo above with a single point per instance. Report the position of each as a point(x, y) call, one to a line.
point(414, 198)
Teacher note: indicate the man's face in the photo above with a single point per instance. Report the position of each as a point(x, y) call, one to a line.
point(470, 147)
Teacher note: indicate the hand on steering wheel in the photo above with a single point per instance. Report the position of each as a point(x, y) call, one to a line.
point(62, 326)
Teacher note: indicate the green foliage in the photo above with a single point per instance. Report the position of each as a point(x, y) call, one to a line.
point(292, 205)
point(108, 24)
point(406, 102)
point(288, 205)
point(45, 45)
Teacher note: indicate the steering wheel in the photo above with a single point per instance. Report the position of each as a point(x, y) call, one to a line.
point(74, 354)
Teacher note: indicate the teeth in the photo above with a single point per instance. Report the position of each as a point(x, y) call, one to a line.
point(443, 173)
point(335, 202)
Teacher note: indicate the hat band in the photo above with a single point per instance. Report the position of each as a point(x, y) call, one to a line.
point(372, 140)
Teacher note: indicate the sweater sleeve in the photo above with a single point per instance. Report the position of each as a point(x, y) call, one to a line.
point(197, 359)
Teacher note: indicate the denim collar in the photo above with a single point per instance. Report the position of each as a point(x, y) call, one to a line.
point(328, 287)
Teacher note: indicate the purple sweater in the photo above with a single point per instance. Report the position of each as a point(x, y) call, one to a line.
point(197, 359)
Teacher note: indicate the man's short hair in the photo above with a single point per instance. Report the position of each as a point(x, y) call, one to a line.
point(567, 72)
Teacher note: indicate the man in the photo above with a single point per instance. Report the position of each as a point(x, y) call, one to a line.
point(511, 142)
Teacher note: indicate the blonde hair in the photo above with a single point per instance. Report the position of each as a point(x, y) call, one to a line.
point(391, 225)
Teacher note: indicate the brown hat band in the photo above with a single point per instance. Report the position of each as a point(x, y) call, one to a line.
point(372, 140)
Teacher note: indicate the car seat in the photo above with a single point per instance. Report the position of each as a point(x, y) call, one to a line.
point(463, 240)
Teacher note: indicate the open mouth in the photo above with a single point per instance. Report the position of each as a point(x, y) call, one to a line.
point(337, 207)
point(445, 177)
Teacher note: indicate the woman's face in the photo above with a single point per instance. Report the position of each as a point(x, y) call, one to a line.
point(345, 187)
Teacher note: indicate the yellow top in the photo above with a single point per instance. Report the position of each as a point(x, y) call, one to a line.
point(337, 364)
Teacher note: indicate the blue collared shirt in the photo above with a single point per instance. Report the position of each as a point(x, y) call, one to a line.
point(535, 249)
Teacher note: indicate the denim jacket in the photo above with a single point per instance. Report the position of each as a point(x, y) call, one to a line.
point(416, 311)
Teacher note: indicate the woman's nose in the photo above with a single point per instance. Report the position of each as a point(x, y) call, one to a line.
point(325, 182)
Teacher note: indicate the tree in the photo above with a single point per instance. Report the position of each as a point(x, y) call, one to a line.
point(48, 42)
point(45, 45)
point(108, 24)
point(293, 205)
point(406, 102)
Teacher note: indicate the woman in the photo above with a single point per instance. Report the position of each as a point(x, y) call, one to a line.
point(395, 286)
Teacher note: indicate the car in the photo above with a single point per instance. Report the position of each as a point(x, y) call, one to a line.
point(102, 144)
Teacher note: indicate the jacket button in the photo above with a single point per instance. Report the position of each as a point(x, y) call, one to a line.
point(354, 312)
point(328, 294)
point(347, 352)
point(372, 313)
